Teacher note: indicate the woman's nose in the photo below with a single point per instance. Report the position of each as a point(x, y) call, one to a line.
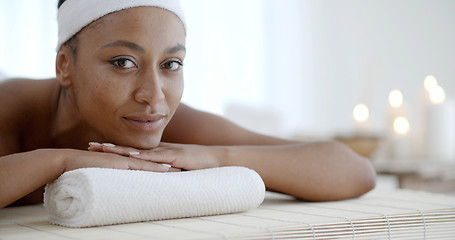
point(150, 91)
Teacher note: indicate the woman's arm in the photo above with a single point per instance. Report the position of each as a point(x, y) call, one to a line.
point(317, 171)
point(23, 173)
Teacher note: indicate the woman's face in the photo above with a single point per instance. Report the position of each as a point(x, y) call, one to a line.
point(127, 77)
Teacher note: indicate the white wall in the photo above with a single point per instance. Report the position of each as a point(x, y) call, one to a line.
point(28, 36)
point(306, 62)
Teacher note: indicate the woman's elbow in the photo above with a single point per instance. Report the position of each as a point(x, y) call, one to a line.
point(364, 177)
point(367, 181)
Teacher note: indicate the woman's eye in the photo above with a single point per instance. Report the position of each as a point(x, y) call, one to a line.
point(173, 65)
point(123, 63)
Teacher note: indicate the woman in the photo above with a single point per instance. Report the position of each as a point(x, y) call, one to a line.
point(119, 81)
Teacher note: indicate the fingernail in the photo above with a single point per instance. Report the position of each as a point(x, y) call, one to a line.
point(134, 153)
point(108, 145)
point(166, 165)
point(95, 144)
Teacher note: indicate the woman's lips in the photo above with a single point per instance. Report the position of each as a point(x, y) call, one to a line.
point(146, 123)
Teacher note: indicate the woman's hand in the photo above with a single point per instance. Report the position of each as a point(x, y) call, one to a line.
point(175, 156)
point(75, 159)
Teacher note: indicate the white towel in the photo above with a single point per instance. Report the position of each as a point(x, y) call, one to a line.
point(100, 196)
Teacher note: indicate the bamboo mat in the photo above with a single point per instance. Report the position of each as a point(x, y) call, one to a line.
point(392, 214)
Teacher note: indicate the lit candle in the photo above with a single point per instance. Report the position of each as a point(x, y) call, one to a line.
point(398, 126)
point(396, 109)
point(401, 126)
point(401, 140)
point(430, 82)
point(440, 126)
point(361, 115)
point(395, 98)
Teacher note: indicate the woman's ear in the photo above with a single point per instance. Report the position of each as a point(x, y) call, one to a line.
point(64, 66)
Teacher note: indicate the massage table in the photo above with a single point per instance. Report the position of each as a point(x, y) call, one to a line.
point(379, 214)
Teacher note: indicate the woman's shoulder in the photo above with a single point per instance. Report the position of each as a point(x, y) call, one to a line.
point(25, 86)
point(20, 93)
point(20, 99)
point(21, 90)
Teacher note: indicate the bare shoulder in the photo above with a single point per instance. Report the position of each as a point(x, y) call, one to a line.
point(192, 126)
point(18, 97)
point(24, 86)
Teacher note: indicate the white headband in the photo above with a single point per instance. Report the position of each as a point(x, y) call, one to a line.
point(73, 15)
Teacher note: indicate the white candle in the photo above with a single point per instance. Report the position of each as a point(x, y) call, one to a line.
point(440, 126)
point(420, 122)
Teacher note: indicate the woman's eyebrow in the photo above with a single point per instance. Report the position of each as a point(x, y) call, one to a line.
point(127, 44)
point(176, 48)
point(134, 46)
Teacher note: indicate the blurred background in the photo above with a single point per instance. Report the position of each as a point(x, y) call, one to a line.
point(294, 68)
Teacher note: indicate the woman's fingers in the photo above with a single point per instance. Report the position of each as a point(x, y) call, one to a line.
point(137, 164)
point(95, 147)
point(162, 155)
point(83, 159)
point(155, 156)
point(173, 169)
point(111, 148)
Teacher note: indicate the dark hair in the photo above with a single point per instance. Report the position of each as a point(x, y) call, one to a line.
point(60, 2)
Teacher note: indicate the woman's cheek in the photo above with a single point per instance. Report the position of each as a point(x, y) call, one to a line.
point(102, 97)
point(177, 90)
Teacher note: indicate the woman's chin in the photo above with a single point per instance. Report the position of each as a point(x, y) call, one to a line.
point(140, 143)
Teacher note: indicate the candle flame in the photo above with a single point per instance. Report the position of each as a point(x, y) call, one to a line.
point(430, 82)
point(361, 113)
point(437, 95)
point(401, 125)
point(396, 98)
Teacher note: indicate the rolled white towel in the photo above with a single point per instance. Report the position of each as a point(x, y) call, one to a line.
point(101, 196)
